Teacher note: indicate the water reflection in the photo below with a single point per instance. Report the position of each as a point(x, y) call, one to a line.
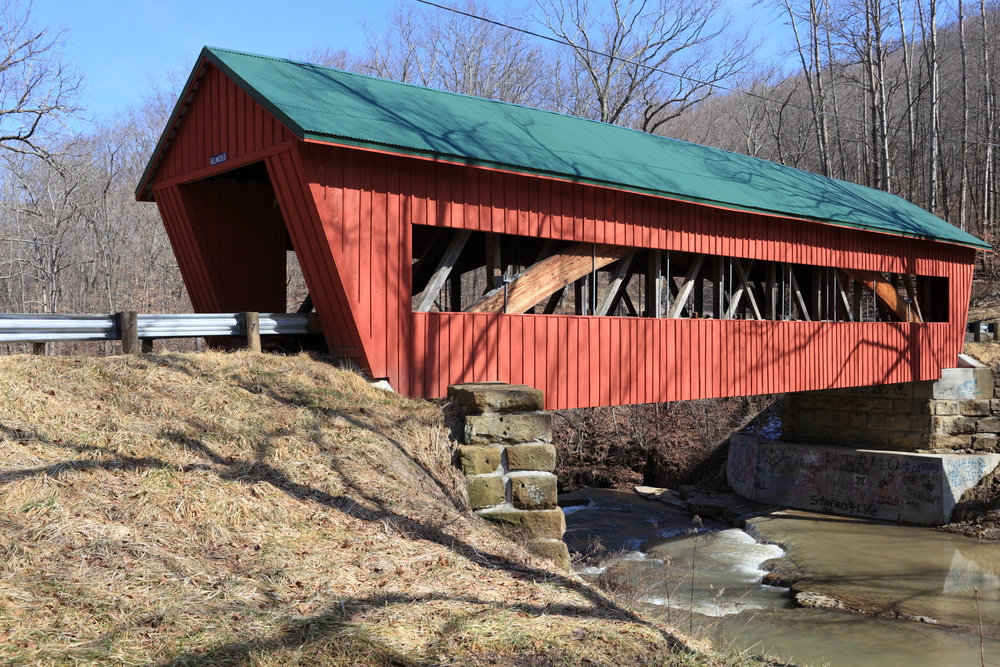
point(907, 569)
point(891, 568)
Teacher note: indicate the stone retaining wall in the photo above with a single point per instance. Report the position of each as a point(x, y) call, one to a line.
point(956, 413)
point(509, 462)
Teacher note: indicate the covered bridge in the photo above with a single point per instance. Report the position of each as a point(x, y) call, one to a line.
point(445, 238)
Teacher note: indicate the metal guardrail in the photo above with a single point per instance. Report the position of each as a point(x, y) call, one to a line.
point(25, 328)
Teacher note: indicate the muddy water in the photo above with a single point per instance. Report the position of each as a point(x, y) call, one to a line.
point(874, 566)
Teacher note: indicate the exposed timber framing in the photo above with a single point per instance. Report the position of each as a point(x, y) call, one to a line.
point(885, 293)
point(442, 271)
point(744, 290)
point(798, 294)
point(494, 262)
point(654, 284)
point(553, 302)
point(550, 275)
point(619, 281)
point(843, 296)
point(693, 273)
point(911, 294)
point(771, 292)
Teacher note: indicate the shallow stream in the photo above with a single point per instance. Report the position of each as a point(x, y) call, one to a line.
point(661, 559)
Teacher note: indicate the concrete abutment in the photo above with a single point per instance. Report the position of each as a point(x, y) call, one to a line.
point(899, 452)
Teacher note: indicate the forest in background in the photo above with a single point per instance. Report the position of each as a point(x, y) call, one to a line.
point(897, 95)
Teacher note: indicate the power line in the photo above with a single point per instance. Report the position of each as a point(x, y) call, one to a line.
point(563, 42)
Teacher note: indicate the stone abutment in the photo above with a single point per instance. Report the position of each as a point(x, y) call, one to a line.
point(899, 452)
point(509, 461)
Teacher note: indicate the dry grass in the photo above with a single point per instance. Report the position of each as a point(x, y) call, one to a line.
point(238, 509)
point(987, 352)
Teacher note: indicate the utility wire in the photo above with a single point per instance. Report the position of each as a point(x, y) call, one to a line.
point(563, 42)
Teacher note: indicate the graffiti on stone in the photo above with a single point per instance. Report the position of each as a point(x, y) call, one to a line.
point(844, 506)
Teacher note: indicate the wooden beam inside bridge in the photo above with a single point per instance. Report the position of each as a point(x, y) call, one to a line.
point(886, 293)
point(548, 276)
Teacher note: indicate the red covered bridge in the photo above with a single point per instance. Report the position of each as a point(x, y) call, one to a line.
point(447, 239)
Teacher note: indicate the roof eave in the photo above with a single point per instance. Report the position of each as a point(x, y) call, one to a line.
point(313, 137)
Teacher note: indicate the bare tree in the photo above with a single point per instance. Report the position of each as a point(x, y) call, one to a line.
point(461, 54)
point(643, 62)
point(37, 89)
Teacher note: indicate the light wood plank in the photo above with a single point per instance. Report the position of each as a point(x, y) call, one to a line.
point(887, 294)
point(549, 275)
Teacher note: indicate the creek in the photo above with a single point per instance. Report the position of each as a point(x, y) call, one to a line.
point(706, 579)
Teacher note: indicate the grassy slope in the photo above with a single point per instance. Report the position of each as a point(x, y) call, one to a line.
point(221, 509)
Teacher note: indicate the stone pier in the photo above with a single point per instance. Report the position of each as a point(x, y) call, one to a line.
point(509, 462)
point(899, 452)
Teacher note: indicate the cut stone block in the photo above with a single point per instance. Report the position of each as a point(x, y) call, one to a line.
point(534, 492)
point(988, 425)
point(975, 408)
point(954, 425)
point(537, 524)
point(555, 550)
point(984, 442)
point(478, 460)
point(508, 428)
point(944, 443)
point(531, 457)
point(488, 398)
point(486, 491)
point(943, 408)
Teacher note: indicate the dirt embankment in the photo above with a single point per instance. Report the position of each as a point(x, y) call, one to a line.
point(242, 509)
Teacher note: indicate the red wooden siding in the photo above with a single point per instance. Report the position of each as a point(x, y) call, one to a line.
point(311, 228)
point(222, 118)
point(587, 361)
point(230, 244)
point(349, 212)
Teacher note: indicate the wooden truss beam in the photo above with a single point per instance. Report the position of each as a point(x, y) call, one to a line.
point(550, 275)
point(618, 282)
point(843, 296)
point(442, 271)
point(911, 294)
point(744, 289)
point(684, 293)
point(794, 284)
point(887, 294)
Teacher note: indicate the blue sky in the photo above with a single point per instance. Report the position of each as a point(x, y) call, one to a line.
point(120, 47)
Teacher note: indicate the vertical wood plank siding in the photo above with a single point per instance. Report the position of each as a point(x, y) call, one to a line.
point(369, 200)
point(222, 118)
point(647, 360)
point(349, 213)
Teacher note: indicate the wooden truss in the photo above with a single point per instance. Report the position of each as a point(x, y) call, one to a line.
point(600, 279)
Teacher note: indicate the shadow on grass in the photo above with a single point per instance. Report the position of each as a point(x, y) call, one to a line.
point(333, 632)
point(331, 628)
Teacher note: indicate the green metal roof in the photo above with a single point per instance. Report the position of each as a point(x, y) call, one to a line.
point(331, 105)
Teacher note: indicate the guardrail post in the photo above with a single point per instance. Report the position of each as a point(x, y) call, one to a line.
point(147, 345)
point(38, 348)
point(128, 329)
point(250, 326)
